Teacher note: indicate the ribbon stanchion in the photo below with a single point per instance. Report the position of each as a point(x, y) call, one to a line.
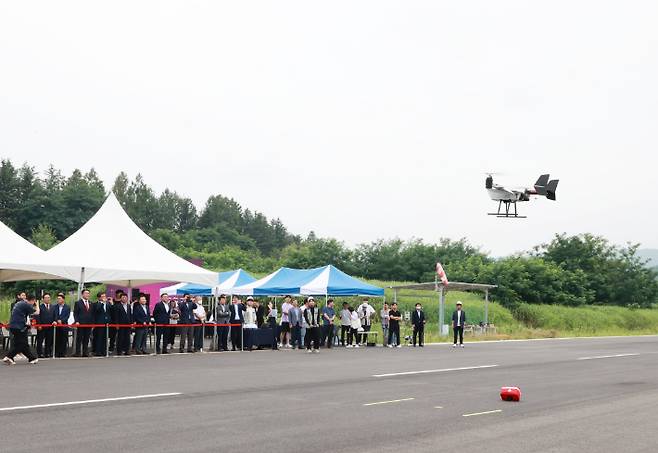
point(131, 326)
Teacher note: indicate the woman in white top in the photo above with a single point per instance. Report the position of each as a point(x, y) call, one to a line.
point(199, 318)
point(249, 324)
point(355, 325)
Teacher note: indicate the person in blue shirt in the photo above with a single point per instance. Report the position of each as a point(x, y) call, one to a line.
point(18, 326)
point(328, 318)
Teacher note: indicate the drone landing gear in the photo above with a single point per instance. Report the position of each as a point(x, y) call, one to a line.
point(506, 213)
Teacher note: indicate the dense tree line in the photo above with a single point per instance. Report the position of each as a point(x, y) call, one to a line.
point(570, 270)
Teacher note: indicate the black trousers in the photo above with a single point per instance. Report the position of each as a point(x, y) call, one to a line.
point(45, 335)
point(419, 332)
point(352, 335)
point(100, 340)
point(19, 345)
point(328, 335)
point(162, 338)
point(82, 339)
point(394, 330)
point(459, 330)
point(275, 338)
point(236, 336)
point(222, 338)
point(198, 336)
point(123, 341)
point(113, 338)
point(296, 336)
point(61, 341)
point(363, 338)
point(344, 330)
point(313, 335)
point(140, 339)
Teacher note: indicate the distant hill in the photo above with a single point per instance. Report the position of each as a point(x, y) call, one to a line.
point(649, 254)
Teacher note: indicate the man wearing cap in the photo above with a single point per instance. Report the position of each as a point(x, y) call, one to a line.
point(366, 312)
point(458, 321)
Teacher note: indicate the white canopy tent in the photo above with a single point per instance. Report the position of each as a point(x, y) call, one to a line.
point(21, 260)
point(110, 248)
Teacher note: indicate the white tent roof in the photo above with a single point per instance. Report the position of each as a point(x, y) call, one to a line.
point(112, 249)
point(21, 260)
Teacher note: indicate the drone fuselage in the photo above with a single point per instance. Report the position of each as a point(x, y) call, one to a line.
point(499, 193)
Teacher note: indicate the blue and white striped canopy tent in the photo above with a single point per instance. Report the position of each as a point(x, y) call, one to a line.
point(321, 281)
point(279, 283)
point(226, 281)
point(334, 282)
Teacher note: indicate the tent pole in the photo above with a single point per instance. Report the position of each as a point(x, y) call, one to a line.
point(81, 283)
point(486, 307)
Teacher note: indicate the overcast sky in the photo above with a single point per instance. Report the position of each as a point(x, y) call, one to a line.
point(357, 119)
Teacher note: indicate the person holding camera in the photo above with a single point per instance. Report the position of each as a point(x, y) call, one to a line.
point(18, 326)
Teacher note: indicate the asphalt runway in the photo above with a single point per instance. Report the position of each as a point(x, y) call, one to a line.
point(579, 395)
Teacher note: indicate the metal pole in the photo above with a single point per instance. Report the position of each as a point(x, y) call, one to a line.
point(81, 283)
point(242, 337)
point(107, 340)
point(441, 310)
point(54, 339)
point(214, 329)
point(486, 307)
point(155, 335)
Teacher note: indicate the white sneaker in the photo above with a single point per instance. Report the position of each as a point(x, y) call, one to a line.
point(356, 345)
point(348, 346)
point(389, 346)
point(34, 362)
point(461, 345)
point(399, 346)
point(454, 345)
point(317, 351)
point(8, 361)
point(308, 351)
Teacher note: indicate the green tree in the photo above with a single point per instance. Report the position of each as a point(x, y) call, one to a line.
point(43, 237)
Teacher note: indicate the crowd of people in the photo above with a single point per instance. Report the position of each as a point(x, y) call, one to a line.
point(116, 326)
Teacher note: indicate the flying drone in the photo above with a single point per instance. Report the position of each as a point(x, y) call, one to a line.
point(507, 198)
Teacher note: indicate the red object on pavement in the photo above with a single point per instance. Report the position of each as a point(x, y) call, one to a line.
point(510, 394)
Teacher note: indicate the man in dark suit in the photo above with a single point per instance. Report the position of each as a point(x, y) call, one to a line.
point(102, 315)
point(112, 331)
point(237, 317)
point(61, 313)
point(45, 334)
point(186, 317)
point(141, 318)
point(123, 315)
point(161, 316)
point(83, 314)
point(458, 322)
point(418, 323)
